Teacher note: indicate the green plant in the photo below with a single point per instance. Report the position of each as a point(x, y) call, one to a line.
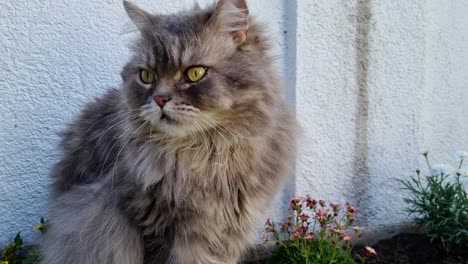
point(315, 233)
point(439, 202)
point(11, 253)
point(319, 251)
point(19, 253)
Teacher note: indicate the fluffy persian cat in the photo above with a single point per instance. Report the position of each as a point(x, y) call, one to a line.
point(176, 164)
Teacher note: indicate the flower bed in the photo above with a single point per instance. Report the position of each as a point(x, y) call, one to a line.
point(317, 232)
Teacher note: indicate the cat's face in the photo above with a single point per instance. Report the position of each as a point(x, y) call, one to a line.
point(196, 70)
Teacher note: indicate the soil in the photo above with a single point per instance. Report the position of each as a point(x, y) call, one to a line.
point(415, 249)
point(409, 249)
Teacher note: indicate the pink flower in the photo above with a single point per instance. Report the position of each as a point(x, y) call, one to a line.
point(350, 208)
point(285, 226)
point(295, 203)
point(347, 238)
point(298, 198)
point(371, 251)
point(311, 204)
point(296, 235)
point(322, 203)
point(321, 214)
point(309, 236)
point(268, 222)
point(335, 206)
point(335, 230)
point(300, 229)
point(339, 223)
point(304, 217)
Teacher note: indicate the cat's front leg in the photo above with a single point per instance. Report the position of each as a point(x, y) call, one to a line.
point(86, 229)
point(194, 248)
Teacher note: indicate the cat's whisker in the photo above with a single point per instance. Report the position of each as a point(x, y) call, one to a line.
point(219, 151)
point(125, 142)
point(205, 140)
point(220, 122)
point(213, 125)
point(111, 123)
point(125, 112)
point(193, 142)
point(117, 140)
point(222, 125)
point(107, 145)
point(213, 140)
point(106, 130)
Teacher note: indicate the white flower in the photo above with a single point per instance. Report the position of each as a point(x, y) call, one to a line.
point(464, 178)
point(440, 169)
point(460, 155)
point(424, 151)
point(464, 172)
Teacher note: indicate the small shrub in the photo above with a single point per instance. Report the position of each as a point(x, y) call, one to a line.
point(290, 252)
point(315, 233)
point(19, 253)
point(439, 202)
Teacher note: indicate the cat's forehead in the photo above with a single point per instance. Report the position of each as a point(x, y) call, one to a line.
point(182, 24)
point(181, 41)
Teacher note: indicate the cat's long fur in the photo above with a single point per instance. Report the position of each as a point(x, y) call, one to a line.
point(133, 187)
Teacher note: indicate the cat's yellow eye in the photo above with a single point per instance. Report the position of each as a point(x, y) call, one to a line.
point(196, 73)
point(147, 77)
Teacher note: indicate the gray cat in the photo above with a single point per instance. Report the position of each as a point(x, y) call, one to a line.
point(176, 165)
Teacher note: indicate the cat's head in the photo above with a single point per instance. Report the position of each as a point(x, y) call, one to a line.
point(199, 70)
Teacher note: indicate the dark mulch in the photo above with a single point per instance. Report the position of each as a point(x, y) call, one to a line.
point(410, 249)
point(415, 249)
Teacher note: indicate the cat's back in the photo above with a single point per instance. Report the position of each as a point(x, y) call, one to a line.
point(87, 143)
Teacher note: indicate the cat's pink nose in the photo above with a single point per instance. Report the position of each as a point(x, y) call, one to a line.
point(161, 100)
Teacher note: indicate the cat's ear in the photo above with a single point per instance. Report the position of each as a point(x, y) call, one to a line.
point(139, 17)
point(232, 17)
point(196, 7)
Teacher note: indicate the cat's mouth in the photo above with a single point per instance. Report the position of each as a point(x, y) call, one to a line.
point(167, 118)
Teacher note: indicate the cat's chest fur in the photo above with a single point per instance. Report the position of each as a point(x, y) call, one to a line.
point(176, 180)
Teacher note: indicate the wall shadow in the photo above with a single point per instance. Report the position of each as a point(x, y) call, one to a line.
point(360, 174)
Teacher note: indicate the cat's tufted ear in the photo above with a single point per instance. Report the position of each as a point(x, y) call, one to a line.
point(232, 17)
point(139, 17)
point(196, 7)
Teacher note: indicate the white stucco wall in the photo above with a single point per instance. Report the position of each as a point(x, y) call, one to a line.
point(377, 80)
point(370, 81)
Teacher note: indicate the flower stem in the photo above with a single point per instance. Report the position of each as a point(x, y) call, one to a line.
point(427, 161)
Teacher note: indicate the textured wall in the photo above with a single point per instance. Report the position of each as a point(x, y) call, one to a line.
point(376, 81)
point(371, 81)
